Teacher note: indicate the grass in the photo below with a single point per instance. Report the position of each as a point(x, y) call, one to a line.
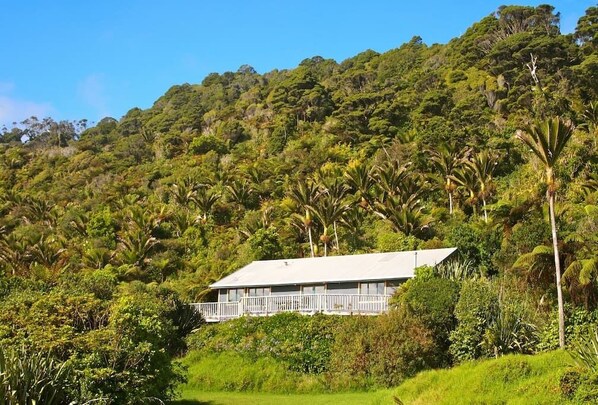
point(198, 397)
point(229, 371)
point(228, 378)
point(514, 379)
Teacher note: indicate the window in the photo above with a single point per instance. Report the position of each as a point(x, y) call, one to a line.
point(392, 286)
point(235, 294)
point(317, 289)
point(374, 288)
point(259, 291)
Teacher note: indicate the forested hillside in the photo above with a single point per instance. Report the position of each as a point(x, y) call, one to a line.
point(107, 227)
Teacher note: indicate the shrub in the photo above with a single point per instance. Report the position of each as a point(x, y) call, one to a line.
point(579, 323)
point(302, 343)
point(432, 301)
point(476, 244)
point(477, 306)
point(381, 351)
point(34, 377)
point(511, 331)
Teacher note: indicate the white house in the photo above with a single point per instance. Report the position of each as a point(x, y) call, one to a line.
point(344, 285)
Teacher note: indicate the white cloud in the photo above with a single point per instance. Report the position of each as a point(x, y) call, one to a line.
point(13, 109)
point(93, 93)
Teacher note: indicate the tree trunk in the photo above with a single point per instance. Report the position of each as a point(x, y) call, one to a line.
point(557, 265)
point(450, 203)
point(485, 212)
point(311, 243)
point(335, 235)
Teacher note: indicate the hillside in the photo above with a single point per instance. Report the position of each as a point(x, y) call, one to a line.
point(412, 148)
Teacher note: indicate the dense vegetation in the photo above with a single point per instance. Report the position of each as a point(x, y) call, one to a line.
point(105, 231)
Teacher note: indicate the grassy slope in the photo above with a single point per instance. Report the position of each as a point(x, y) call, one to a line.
point(198, 397)
point(514, 379)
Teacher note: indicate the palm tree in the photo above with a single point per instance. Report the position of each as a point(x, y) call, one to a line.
point(482, 165)
point(305, 195)
point(182, 193)
point(547, 139)
point(328, 210)
point(241, 192)
point(404, 217)
point(359, 178)
point(465, 177)
point(336, 190)
point(389, 178)
point(446, 159)
point(205, 200)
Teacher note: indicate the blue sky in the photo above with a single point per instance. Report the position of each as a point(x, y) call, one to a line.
point(79, 59)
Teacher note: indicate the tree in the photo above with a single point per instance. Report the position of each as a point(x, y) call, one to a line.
point(305, 195)
point(328, 210)
point(465, 177)
point(547, 139)
point(483, 165)
point(446, 158)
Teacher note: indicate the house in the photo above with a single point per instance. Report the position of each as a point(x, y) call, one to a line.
point(344, 285)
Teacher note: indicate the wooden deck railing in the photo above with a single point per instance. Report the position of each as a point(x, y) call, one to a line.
point(340, 304)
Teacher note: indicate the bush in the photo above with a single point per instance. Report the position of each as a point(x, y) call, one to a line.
point(476, 244)
point(302, 343)
point(477, 306)
point(381, 351)
point(579, 323)
point(30, 378)
point(432, 301)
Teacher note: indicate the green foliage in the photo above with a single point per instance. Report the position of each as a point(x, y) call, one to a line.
point(432, 301)
point(265, 245)
point(206, 143)
point(579, 323)
point(475, 310)
point(476, 244)
point(34, 378)
point(300, 342)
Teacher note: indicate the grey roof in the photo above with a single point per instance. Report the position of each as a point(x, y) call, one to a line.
point(333, 269)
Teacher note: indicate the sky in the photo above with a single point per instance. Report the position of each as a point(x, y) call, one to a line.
point(73, 59)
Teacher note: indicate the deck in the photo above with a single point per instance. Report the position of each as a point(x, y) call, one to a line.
point(334, 304)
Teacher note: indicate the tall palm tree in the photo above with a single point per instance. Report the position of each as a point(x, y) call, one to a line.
point(336, 190)
point(482, 165)
point(547, 139)
point(304, 195)
point(446, 159)
point(328, 210)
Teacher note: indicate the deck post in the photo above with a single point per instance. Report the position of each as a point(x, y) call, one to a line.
point(218, 305)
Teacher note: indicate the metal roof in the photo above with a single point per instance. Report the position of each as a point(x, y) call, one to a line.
point(333, 269)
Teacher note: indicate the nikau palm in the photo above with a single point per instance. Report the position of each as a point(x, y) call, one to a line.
point(446, 159)
point(547, 139)
point(483, 165)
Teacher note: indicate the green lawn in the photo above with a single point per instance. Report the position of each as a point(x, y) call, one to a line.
point(197, 397)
